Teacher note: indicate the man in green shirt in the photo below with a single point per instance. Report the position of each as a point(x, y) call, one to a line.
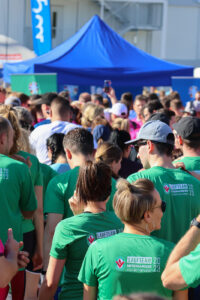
point(178, 189)
point(78, 145)
point(183, 266)
point(17, 193)
point(188, 137)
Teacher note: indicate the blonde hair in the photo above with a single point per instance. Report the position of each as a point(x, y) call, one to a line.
point(107, 153)
point(89, 113)
point(9, 113)
point(121, 124)
point(131, 201)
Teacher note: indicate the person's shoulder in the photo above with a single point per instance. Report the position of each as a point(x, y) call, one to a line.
point(25, 154)
point(140, 174)
point(63, 178)
point(163, 243)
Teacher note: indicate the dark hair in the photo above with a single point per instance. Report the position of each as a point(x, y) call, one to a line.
point(55, 143)
point(166, 148)
point(176, 104)
point(127, 97)
point(4, 125)
point(192, 143)
point(98, 97)
point(107, 153)
point(119, 137)
point(140, 98)
point(153, 96)
point(94, 182)
point(60, 106)
point(154, 105)
point(79, 140)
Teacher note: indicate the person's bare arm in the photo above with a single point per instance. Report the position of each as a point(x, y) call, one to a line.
point(28, 214)
point(89, 292)
point(112, 96)
point(180, 295)
point(38, 219)
point(51, 281)
point(52, 221)
point(9, 262)
point(172, 277)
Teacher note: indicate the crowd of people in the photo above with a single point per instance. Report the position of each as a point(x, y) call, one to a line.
point(100, 197)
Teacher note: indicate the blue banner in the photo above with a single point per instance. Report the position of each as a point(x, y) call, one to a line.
point(41, 26)
point(186, 86)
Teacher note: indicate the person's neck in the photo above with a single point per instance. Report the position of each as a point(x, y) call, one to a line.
point(61, 160)
point(59, 118)
point(79, 161)
point(161, 161)
point(140, 229)
point(95, 207)
point(190, 152)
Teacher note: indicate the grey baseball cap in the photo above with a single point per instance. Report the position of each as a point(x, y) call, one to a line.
point(156, 131)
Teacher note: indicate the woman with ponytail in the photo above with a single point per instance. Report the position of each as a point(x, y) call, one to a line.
point(131, 261)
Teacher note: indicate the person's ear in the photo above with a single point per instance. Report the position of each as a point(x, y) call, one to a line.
point(147, 217)
point(150, 146)
point(180, 140)
point(68, 154)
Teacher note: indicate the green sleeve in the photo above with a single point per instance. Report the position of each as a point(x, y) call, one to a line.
point(88, 269)
point(39, 177)
point(28, 200)
point(54, 198)
point(61, 240)
point(190, 266)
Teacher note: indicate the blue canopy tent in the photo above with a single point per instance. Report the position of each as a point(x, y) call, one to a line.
point(96, 53)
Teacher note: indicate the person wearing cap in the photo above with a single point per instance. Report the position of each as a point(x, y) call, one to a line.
point(60, 123)
point(119, 110)
point(13, 101)
point(45, 103)
point(188, 137)
point(177, 188)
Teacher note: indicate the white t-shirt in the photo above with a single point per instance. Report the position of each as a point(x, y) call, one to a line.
point(39, 136)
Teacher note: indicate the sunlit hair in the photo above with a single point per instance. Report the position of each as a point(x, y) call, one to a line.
point(94, 182)
point(121, 124)
point(131, 201)
point(89, 113)
point(108, 153)
point(9, 113)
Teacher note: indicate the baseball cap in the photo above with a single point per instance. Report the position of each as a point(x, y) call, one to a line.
point(188, 127)
point(100, 132)
point(155, 131)
point(12, 100)
point(119, 110)
point(45, 99)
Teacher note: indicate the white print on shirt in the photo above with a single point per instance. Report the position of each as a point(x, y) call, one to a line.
point(139, 264)
point(101, 235)
point(180, 189)
point(4, 173)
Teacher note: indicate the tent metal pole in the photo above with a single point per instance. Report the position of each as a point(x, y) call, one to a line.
point(102, 10)
point(164, 31)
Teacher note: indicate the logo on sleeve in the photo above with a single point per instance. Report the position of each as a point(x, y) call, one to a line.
point(120, 263)
point(166, 188)
point(90, 239)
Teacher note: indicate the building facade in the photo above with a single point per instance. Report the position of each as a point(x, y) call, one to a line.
point(168, 29)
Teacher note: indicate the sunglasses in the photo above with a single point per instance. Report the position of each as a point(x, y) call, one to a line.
point(162, 207)
point(139, 144)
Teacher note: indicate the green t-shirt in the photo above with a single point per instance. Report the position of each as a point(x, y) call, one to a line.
point(72, 238)
point(190, 268)
point(191, 163)
point(181, 192)
point(48, 174)
point(36, 176)
point(17, 194)
point(126, 263)
point(61, 188)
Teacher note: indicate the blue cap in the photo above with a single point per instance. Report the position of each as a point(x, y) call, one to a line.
point(154, 130)
point(100, 132)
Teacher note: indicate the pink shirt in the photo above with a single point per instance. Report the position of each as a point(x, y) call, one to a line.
point(3, 291)
point(134, 131)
